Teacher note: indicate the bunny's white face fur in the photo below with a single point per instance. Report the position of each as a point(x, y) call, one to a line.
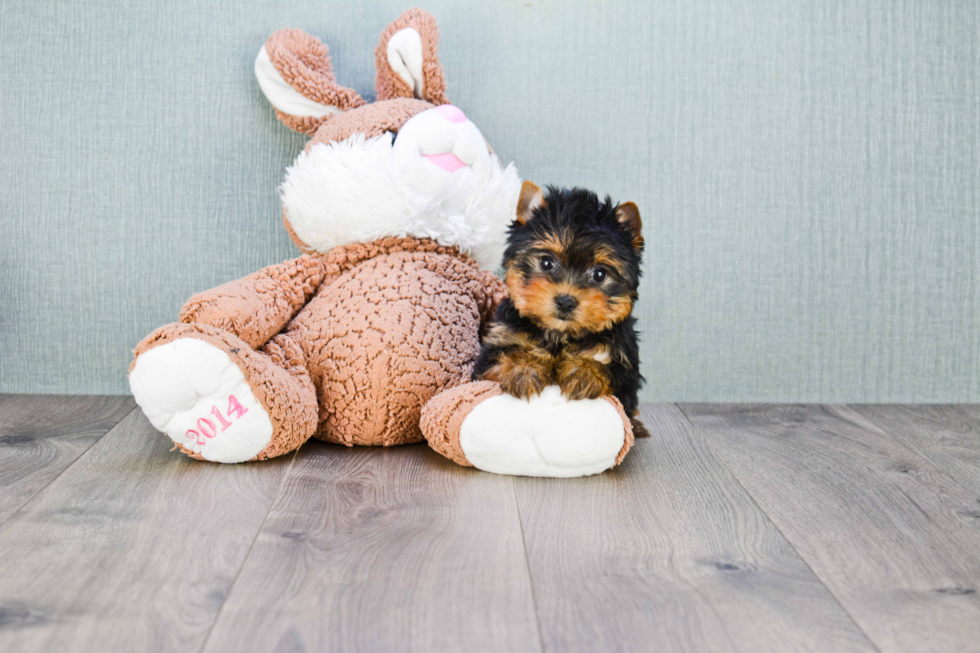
point(437, 179)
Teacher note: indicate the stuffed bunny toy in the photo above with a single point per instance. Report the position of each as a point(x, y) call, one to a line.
point(400, 207)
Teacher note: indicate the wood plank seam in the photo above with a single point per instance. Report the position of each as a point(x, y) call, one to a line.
point(134, 549)
point(668, 552)
point(383, 549)
point(884, 428)
point(79, 457)
point(258, 531)
point(527, 566)
point(888, 530)
point(776, 526)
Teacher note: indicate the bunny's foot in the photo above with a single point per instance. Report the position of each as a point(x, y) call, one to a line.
point(476, 425)
point(218, 399)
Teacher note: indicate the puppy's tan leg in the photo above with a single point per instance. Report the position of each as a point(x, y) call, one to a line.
point(581, 376)
point(522, 372)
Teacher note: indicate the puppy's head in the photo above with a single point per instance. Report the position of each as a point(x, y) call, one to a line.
point(572, 260)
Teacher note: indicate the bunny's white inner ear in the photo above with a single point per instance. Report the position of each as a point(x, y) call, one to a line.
point(405, 58)
point(283, 96)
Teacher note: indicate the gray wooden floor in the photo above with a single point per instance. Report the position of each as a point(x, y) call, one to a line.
point(733, 528)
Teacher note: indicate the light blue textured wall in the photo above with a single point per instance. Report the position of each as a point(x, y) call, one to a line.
point(808, 174)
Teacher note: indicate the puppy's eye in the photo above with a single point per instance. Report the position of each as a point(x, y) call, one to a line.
point(598, 275)
point(547, 263)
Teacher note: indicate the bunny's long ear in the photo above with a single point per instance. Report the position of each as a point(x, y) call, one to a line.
point(407, 59)
point(294, 72)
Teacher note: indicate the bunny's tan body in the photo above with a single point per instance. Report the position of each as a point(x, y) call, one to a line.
point(347, 342)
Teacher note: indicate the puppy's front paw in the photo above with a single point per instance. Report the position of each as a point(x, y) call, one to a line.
point(523, 381)
point(582, 379)
point(522, 372)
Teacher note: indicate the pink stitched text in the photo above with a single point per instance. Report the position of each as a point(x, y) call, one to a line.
point(208, 429)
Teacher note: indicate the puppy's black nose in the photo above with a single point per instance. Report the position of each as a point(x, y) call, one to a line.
point(566, 303)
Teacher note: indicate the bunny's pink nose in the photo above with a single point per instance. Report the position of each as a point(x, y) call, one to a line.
point(451, 113)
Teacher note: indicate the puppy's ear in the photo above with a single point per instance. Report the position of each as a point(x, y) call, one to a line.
point(531, 198)
point(407, 59)
point(294, 72)
point(629, 217)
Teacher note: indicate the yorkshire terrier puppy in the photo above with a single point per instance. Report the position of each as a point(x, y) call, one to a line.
point(572, 267)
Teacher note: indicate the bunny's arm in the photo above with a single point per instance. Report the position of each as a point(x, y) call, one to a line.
point(257, 307)
point(496, 293)
point(489, 293)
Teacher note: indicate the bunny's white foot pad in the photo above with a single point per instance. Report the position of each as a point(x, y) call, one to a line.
point(547, 435)
point(193, 392)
